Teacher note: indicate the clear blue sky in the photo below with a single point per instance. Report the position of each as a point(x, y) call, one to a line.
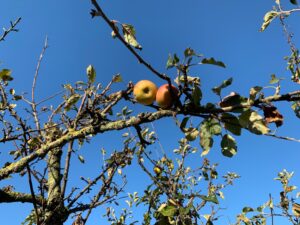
point(226, 30)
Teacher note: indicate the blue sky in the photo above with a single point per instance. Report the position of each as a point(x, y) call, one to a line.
point(226, 30)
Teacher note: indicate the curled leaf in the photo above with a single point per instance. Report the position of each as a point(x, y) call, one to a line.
point(217, 90)
point(269, 16)
point(272, 115)
point(129, 36)
point(228, 145)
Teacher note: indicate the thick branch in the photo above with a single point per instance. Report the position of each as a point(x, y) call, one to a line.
point(12, 197)
point(82, 133)
point(132, 122)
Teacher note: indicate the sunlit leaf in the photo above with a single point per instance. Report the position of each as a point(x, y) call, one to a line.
point(91, 73)
point(191, 134)
point(211, 198)
point(72, 100)
point(81, 158)
point(129, 36)
point(254, 122)
point(208, 128)
point(5, 75)
point(117, 78)
point(190, 80)
point(269, 16)
point(296, 108)
point(168, 211)
point(274, 79)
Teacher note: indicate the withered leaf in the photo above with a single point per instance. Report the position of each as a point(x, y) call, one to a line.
point(272, 115)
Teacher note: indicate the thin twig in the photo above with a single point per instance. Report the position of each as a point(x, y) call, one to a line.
point(128, 46)
point(67, 167)
point(12, 28)
point(272, 210)
point(33, 105)
point(283, 138)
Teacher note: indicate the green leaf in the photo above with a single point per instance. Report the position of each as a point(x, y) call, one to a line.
point(296, 108)
point(190, 80)
point(91, 73)
point(189, 52)
point(168, 211)
point(72, 100)
point(254, 122)
point(225, 83)
point(228, 145)
point(215, 127)
point(183, 123)
point(5, 75)
point(294, 2)
point(117, 78)
point(212, 61)
point(269, 16)
point(206, 141)
point(129, 36)
point(208, 128)
point(172, 61)
point(191, 134)
point(185, 210)
point(231, 123)
point(274, 79)
point(196, 95)
point(211, 198)
point(247, 209)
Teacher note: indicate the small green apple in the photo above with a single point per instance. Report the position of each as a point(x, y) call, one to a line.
point(144, 92)
point(157, 170)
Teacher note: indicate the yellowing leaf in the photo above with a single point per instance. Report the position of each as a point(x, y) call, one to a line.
point(254, 122)
point(269, 16)
point(5, 75)
point(91, 73)
point(129, 36)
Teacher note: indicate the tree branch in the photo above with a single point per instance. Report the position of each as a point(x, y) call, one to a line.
point(10, 196)
point(12, 28)
point(128, 46)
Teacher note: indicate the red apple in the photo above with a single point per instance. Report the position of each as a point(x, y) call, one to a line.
point(164, 97)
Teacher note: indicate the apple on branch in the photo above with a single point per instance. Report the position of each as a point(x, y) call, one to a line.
point(164, 98)
point(144, 92)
